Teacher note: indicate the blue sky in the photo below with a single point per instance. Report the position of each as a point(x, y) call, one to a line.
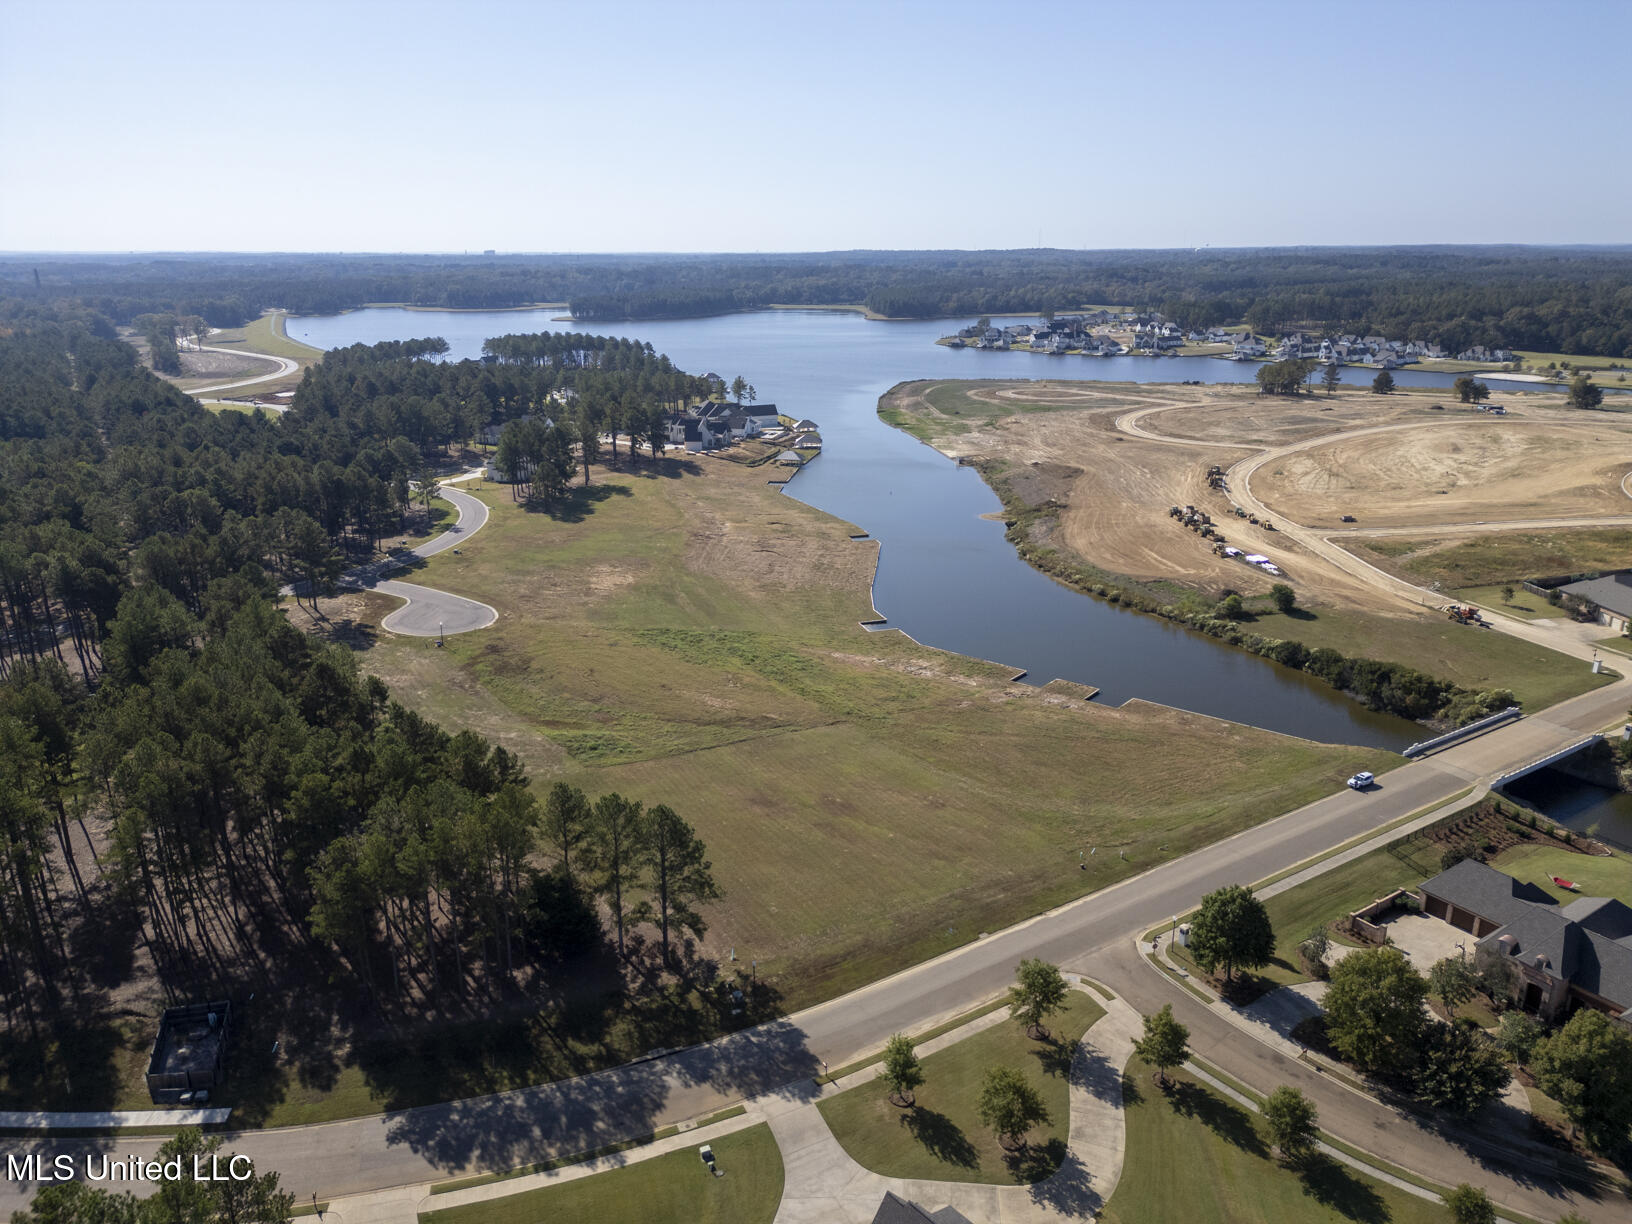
point(352, 125)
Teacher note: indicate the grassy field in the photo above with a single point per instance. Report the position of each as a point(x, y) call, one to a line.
point(1507, 556)
point(1195, 1155)
point(1467, 655)
point(1598, 877)
point(941, 1138)
point(266, 335)
point(692, 638)
point(1526, 604)
point(671, 1189)
point(1620, 643)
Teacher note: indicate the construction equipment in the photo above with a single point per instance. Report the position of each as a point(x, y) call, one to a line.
point(1464, 615)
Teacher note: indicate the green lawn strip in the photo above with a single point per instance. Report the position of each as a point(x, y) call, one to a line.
point(1620, 644)
point(1466, 655)
point(265, 335)
point(1180, 980)
point(1195, 1155)
point(918, 1039)
point(1598, 877)
point(561, 1162)
point(675, 1188)
point(1525, 604)
point(310, 1209)
point(941, 1138)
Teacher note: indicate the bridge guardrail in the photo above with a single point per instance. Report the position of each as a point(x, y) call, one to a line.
point(1473, 728)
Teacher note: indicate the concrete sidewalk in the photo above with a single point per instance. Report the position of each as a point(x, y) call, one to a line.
point(824, 1184)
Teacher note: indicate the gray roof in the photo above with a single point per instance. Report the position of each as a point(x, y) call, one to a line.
point(1486, 891)
point(897, 1210)
point(1588, 942)
point(1613, 593)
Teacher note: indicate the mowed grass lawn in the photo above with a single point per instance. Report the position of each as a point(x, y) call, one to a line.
point(1473, 657)
point(942, 1138)
point(672, 1189)
point(266, 335)
point(1526, 604)
point(1598, 877)
point(692, 638)
point(1195, 1155)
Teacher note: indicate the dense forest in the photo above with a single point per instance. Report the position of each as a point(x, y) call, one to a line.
point(198, 797)
point(1543, 299)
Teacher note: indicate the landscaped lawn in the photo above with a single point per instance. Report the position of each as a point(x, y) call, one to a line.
point(942, 1137)
point(1195, 1155)
point(1342, 890)
point(671, 1189)
point(1598, 877)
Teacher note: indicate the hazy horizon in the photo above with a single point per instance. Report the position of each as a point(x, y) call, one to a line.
point(416, 128)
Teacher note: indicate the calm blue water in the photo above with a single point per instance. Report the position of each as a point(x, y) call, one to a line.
point(1580, 806)
point(946, 576)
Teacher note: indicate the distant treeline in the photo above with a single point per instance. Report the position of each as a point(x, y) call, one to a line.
point(1547, 299)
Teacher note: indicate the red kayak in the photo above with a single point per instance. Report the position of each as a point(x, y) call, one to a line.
point(1562, 883)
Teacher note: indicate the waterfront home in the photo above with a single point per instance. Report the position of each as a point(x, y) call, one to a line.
point(1564, 957)
point(1248, 345)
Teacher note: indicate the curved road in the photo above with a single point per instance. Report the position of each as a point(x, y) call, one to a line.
point(426, 611)
point(1092, 934)
point(285, 366)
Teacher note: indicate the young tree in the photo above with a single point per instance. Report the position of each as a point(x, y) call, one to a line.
point(739, 384)
point(1284, 596)
point(1587, 1068)
point(1039, 991)
point(1460, 1071)
point(1166, 1042)
point(1507, 594)
point(566, 822)
point(1519, 1035)
point(1010, 1106)
point(1584, 394)
point(673, 856)
point(902, 1070)
point(1231, 930)
point(615, 833)
point(1374, 1009)
point(1470, 1205)
point(1331, 377)
point(1383, 383)
point(1452, 981)
point(1292, 1123)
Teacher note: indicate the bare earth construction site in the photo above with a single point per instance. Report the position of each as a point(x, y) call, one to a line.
point(1097, 469)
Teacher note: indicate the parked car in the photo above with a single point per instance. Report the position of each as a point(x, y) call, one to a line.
point(1361, 780)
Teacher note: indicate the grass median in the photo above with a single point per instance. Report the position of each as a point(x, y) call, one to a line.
point(941, 1137)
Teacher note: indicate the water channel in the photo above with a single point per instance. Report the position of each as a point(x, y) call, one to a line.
point(1580, 806)
point(947, 576)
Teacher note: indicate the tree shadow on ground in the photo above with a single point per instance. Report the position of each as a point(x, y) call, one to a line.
point(577, 503)
point(1054, 1056)
point(1338, 1188)
point(1036, 1162)
point(1069, 1191)
point(1225, 1119)
point(671, 469)
point(941, 1137)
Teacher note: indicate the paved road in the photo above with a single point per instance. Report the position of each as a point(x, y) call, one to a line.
point(428, 612)
point(285, 366)
point(520, 1127)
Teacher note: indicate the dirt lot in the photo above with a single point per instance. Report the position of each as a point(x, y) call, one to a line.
point(1458, 471)
point(1060, 443)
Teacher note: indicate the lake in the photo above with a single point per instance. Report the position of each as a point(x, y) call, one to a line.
point(946, 576)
